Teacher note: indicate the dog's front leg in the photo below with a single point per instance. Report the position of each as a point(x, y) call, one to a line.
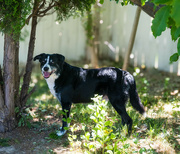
point(66, 112)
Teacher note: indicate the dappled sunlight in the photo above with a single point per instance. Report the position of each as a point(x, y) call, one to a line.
point(168, 107)
point(178, 72)
point(156, 62)
point(113, 49)
point(34, 80)
point(45, 97)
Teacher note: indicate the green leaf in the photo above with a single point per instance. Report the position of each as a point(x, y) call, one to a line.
point(159, 23)
point(87, 135)
point(68, 120)
point(162, 1)
point(66, 128)
point(143, 2)
point(174, 57)
point(4, 142)
point(109, 147)
point(178, 47)
point(53, 135)
point(170, 23)
point(126, 146)
point(101, 1)
point(64, 119)
point(17, 110)
point(176, 12)
point(113, 136)
point(175, 33)
point(108, 123)
point(142, 150)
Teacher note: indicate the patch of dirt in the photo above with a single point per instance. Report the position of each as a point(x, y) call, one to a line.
point(27, 141)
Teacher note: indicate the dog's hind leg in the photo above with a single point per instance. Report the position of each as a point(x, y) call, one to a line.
point(124, 116)
point(119, 105)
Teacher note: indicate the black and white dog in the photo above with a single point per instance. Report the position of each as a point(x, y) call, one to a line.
point(70, 84)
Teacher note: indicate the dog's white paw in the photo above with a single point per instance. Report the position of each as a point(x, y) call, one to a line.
point(61, 132)
point(144, 115)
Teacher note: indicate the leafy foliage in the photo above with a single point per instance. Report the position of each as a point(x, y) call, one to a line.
point(65, 8)
point(159, 23)
point(4, 142)
point(168, 16)
point(13, 15)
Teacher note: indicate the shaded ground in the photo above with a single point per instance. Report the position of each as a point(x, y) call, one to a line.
point(37, 141)
point(25, 140)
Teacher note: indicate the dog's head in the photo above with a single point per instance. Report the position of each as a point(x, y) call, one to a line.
point(50, 64)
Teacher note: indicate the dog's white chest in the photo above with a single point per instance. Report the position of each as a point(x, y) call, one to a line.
point(51, 83)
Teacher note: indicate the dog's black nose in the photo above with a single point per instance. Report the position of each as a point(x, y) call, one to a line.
point(46, 68)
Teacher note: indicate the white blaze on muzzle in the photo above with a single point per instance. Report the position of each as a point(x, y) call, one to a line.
point(46, 69)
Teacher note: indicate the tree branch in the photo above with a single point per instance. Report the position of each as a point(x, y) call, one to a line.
point(148, 7)
point(44, 12)
point(35, 10)
point(28, 70)
point(28, 95)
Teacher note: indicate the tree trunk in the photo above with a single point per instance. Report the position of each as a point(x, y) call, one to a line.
point(16, 75)
point(27, 76)
point(132, 38)
point(96, 31)
point(1, 91)
point(92, 49)
point(7, 107)
point(94, 59)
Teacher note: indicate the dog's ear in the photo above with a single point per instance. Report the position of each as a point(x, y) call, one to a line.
point(38, 57)
point(61, 58)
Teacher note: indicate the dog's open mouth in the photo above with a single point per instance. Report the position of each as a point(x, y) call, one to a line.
point(47, 74)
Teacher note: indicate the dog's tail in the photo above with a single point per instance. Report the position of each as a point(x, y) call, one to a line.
point(134, 97)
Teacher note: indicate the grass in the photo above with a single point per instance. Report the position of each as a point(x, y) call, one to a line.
point(96, 127)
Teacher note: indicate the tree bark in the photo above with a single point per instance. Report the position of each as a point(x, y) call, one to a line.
point(27, 76)
point(16, 75)
point(7, 111)
point(1, 90)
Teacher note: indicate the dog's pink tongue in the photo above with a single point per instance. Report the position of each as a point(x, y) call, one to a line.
point(46, 74)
